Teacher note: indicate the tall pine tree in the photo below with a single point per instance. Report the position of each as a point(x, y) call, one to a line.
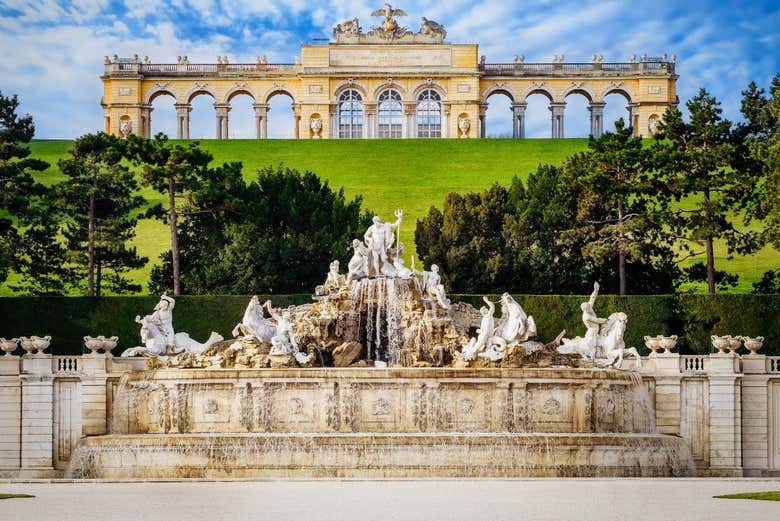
point(97, 202)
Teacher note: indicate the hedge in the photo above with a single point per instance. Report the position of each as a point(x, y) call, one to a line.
point(692, 317)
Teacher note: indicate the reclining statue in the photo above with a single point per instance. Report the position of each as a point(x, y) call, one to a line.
point(159, 338)
point(432, 288)
point(283, 342)
point(254, 324)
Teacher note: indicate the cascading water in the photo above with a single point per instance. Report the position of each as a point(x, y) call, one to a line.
point(380, 304)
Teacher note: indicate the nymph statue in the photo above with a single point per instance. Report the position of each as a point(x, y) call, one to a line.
point(358, 264)
point(283, 342)
point(432, 288)
point(486, 328)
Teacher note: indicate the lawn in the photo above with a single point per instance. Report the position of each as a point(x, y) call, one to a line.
point(766, 496)
point(389, 174)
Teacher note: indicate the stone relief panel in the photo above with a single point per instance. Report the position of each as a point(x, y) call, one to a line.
point(294, 409)
point(550, 408)
point(211, 407)
point(380, 407)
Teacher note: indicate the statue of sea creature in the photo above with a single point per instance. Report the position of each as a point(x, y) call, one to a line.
point(254, 324)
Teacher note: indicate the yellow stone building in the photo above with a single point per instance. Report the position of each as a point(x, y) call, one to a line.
point(386, 83)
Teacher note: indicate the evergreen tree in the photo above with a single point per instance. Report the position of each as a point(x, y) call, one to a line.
point(615, 217)
point(274, 235)
point(18, 190)
point(700, 166)
point(171, 169)
point(97, 201)
point(42, 261)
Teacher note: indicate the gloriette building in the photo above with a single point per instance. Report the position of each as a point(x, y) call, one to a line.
point(388, 82)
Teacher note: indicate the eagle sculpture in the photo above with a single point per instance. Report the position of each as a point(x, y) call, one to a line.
point(388, 13)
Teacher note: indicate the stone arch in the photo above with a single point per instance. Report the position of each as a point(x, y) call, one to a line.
point(278, 89)
point(618, 89)
point(579, 89)
point(351, 84)
point(389, 84)
point(235, 90)
point(500, 88)
point(539, 89)
point(198, 90)
point(429, 84)
point(161, 90)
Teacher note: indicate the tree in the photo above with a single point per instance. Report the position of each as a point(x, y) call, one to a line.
point(42, 261)
point(275, 234)
point(18, 189)
point(761, 133)
point(700, 167)
point(97, 201)
point(615, 217)
point(171, 169)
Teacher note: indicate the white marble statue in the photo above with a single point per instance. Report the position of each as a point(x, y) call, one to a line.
point(159, 338)
point(254, 324)
point(431, 28)
point(379, 238)
point(515, 325)
point(316, 128)
point(603, 342)
point(487, 327)
point(358, 264)
point(333, 280)
point(283, 342)
point(432, 288)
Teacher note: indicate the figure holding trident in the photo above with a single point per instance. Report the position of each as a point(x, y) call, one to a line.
point(379, 238)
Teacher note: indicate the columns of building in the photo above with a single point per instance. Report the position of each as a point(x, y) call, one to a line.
point(370, 127)
point(410, 110)
point(482, 127)
point(223, 129)
point(633, 116)
point(146, 121)
point(261, 120)
point(556, 117)
point(596, 110)
point(183, 120)
point(445, 130)
point(333, 113)
point(518, 120)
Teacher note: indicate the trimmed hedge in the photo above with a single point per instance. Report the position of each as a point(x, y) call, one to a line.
point(692, 317)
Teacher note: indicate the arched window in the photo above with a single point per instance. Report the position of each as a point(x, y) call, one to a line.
point(429, 114)
point(350, 114)
point(389, 114)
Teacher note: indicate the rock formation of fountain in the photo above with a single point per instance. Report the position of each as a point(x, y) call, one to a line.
point(422, 387)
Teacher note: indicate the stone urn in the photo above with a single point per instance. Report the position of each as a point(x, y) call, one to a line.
point(753, 344)
point(668, 342)
point(27, 344)
point(735, 342)
point(721, 343)
point(95, 344)
point(653, 343)
point(9, 345)
point(109, 344)
point(40, 343)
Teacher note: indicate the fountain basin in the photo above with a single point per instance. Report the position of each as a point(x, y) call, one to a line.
point(398, 455)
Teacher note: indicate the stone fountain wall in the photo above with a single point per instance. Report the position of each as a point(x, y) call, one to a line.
point(388, 401)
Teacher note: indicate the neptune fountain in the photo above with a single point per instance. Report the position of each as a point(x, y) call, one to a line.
point(382, 375)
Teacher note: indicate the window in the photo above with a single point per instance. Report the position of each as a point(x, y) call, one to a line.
point(389, 114)
point(350, 114)
point(429, 114)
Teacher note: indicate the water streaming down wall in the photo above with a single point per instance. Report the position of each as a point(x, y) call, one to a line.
point(380, 305)
point(382, 423)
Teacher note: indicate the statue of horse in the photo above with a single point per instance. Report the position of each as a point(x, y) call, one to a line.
point(609, 348)
point(254, 323)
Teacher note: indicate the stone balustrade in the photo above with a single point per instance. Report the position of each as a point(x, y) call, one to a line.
point(724, 405)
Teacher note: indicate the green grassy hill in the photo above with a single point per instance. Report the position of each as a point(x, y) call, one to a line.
point(389, 174)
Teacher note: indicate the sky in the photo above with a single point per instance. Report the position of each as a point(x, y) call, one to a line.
point(53, 50)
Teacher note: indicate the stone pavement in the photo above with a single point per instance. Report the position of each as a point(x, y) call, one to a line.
point(403, 500)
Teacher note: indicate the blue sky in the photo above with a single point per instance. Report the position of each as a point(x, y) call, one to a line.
point(53, 50)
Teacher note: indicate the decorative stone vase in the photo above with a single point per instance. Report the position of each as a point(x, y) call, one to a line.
point(94, 344)
point(735, 342)
point(668, 342)
point(9, 345)
point(27, 344)
point(721, 343)
point(40, 343)
point(653, 343)
point(109, 344)
point(753, 344)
